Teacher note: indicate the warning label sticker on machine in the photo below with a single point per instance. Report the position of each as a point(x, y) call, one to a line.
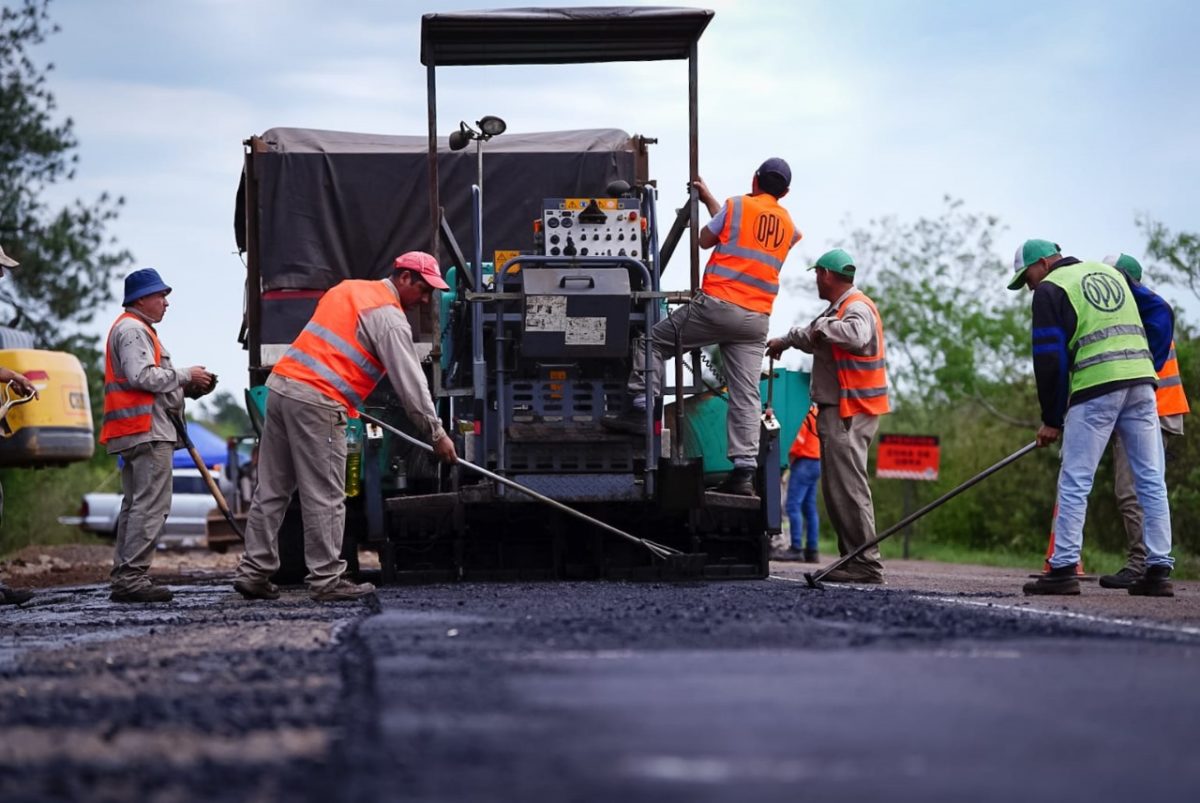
point(585, 331)
point(545, 313)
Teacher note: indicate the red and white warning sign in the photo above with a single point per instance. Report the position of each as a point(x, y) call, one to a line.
point(907, 457)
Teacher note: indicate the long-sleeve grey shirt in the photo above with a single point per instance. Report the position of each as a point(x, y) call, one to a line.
point(854, 332)
point(132, 350)
point(384, 332)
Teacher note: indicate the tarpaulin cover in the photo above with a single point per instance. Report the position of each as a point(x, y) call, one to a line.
point(335, 205)
point(561, 35)
point(210, 446)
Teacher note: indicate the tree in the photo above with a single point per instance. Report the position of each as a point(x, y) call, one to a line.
point(954, 332)
point(223, 413)
point(1178, 254)
point(67, 259)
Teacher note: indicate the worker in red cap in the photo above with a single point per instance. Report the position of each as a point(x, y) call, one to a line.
point(143, 394)
point(358, 333)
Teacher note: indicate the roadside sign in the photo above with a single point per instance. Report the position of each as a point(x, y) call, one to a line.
point(907, 457)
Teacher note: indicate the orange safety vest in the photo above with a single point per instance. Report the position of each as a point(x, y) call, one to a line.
point(807, 443)
point(862, 379)
point(327, 355)
point(127, 410)
point(745, 263)
point(1171, 398)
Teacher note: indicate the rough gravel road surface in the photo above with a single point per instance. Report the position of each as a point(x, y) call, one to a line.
point(931, 688)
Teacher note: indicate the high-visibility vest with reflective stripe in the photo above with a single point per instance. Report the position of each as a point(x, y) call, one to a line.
point(1109, 341)
point(127, 410)
point(1171, 398)
point(807, 443)
point(327, 355)
point(745, 263)
point(862, 379)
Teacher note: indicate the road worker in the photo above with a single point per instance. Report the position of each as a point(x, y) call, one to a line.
point(358, 333)
point(1172, 406)
point(751, 236)
point(23, 387)
point(1095, 376)
point(850, 389)
point(804, 472)
point(143, 394)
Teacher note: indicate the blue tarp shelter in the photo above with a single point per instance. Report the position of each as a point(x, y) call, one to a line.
point(210, 446)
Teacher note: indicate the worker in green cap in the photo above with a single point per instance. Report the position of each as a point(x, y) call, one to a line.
point(850, 388)
point(1095, 375)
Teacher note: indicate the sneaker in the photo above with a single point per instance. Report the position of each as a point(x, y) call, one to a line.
point(256, 589)
point(740, 482)
point(1154, 583)
point(631, 422)
point(790, 554)
point(146, 593)
point(342, 590)
point(1122, 579)
point(811, 556)
point(853, 576)
point(14, 596)
point(1057, 582)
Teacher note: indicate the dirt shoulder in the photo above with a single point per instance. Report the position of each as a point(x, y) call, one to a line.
point(1001, 587)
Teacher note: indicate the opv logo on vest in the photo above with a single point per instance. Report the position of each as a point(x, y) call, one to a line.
point(769, 231)
point(1103, 292)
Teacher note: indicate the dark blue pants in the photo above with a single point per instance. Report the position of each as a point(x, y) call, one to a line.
point(802, 502)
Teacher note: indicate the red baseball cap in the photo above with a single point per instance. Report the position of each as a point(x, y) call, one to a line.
point(423, 264)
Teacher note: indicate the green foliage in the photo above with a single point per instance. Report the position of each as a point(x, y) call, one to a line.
point(223, 413)
point(35, 498)
point(1177, 255)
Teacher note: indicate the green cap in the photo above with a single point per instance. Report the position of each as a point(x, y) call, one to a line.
point(1126, 264)
point(1029, 252)
point(837, 261)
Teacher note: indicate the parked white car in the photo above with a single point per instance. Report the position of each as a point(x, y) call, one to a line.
point(186, 523)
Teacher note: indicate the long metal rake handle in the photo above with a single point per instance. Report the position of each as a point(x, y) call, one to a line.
point(814, 579)
point(659, 550)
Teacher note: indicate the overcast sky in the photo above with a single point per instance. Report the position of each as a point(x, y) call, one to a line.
point(1065, 119)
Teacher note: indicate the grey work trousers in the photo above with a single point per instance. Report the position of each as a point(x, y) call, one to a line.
point(303, 449)
point(844, 485)
point(1131, 512)
point(742, 337)
point(146, 480)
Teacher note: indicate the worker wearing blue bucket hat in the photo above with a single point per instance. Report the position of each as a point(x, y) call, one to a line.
point(143, 393)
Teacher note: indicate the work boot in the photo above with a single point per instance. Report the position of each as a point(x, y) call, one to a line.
point(853, 576)
point(256, 588)
point(811, 556)
point(14, 596)
point(631, 422)
point(1122, 579)
point(146, 593)
point(343, 590)
point(1154, 583)
point(791, 554)
point(740, 482)
point(1056, 582)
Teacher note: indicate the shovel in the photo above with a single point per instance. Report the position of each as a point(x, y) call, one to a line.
point(181, 428)
point(676, 563)
point(814, 578)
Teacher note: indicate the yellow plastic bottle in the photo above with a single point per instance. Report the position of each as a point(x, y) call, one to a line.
point(353, 458)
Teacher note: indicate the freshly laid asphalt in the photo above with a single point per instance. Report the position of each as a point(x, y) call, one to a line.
point(746, 691)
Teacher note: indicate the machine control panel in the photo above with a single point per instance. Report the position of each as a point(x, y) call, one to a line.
point(592, 227)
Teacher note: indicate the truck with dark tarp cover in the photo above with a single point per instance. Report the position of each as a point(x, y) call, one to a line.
point(554, 275)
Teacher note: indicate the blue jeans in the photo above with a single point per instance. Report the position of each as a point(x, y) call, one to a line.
point(802, 501)
point(1133, 415)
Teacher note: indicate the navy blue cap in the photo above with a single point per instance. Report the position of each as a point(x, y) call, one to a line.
point(142, 283)
point(778, 167)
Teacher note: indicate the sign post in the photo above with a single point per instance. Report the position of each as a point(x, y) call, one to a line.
point(912, 458)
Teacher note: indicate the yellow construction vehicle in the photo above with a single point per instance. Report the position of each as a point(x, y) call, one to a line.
point(56, 427)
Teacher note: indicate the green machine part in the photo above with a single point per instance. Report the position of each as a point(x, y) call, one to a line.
point(704, 420)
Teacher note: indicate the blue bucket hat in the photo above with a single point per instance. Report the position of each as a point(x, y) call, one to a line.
point(142, 283)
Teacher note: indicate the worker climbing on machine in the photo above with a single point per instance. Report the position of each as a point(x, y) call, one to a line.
point(751, 236)
point(1095, 376)
point(804, 472)
point(358, 333)
point(1172, 406)
point(142, 394)
point(850, 389)
point(13, 596)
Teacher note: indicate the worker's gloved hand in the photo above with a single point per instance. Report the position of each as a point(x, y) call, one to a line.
point(775, 347)
point(1048, 435)
point(443, 447)
point(20, 384)
point(200, 382)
